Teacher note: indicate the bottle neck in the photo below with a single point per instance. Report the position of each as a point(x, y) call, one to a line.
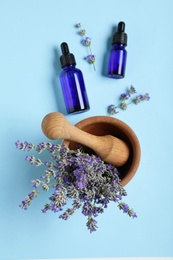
point(68, 67)
point(119, 45)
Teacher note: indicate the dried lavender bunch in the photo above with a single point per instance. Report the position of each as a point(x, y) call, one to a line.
point(86, 41)
point(112, 109)
point(90, 182)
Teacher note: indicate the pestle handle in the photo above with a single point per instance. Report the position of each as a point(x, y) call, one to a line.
point(110, 149)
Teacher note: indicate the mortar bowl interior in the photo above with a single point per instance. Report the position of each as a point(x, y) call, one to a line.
point(105, 125)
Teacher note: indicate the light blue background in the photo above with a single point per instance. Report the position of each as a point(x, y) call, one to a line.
point(31, 32)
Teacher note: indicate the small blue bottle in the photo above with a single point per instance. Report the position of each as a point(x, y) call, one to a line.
point(72, 82)
point(118, 54)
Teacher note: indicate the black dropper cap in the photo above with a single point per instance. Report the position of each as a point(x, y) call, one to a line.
point(66, 58)
point(120, 36)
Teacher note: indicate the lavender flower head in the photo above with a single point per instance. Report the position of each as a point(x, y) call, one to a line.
point(91, 58)
point(86, 41)
point(112, 110)
point(89, 183)
point(127, 96)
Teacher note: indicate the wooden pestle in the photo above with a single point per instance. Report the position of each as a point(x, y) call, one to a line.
point(111, 149)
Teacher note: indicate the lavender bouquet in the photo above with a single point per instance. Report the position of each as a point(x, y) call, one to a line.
point(87, 181)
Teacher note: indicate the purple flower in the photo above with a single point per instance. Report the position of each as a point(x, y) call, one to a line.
point(91, 224)
point(133, 215)
point(17, 143)
point(67, 214)
point(85, 180)
point(40, 147)
point(87, 209)
point(91, 58)
point(46, 208)
point(77, 203)
point(80, 184)
point(30, 159)
point(110, 167)
point(112, 110)
point(36, 183)
point(125, 96)
point(33, 194)
point(24, 145)
point(125, 208)
point(140, 98)
point(146, 97)
point(53, 207)
point(80, 179)
point(137, 99)
point(64, 216)
point(86, 41)
point(79, 175)
point(24, 205)
point(132, 90)
point(48, 164)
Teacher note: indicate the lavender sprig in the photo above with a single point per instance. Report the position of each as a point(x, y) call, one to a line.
point(112, 109)
point(85, 179)
point(86, 41)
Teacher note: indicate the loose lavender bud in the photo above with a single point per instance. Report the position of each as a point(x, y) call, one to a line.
point(123, 106)
point(125, 96)
point(53, 207)
point(48, 164)
point(132, 214)
point(33, 160)
point(36, 183)
point(91, 224)
point(138, 99)
point(132, 90)
point(78, 25)
point(86, 41)
point(146, 97)
point(46, 208)
point(124, 207)
point(43, 146)
point(45, 186)
point(91, 58)
point(82, 32)
point(77, 204)
point(67, 214)
point(30, 159)
point(112, 110)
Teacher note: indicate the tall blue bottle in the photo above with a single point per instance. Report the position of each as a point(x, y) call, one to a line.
point(72, 82)
point(118, 54)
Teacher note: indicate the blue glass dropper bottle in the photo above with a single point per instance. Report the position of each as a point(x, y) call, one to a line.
point(118, 54)
point(72, 82)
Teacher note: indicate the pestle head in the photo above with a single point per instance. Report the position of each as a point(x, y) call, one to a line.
point(53, 125)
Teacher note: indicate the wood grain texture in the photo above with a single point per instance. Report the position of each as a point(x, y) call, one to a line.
point(111, 149)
